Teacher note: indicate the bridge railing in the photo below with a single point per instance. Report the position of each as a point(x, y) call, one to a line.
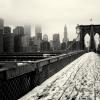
point(19, 77)
point(11, 69)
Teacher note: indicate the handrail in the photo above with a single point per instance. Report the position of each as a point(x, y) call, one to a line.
point(16, 68)
point(53, 57)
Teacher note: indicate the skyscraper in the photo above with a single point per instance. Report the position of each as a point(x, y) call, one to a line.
point(1, 34)
point(27, 30)
point(65, 39)
point(45, 37)
point(45, 45)
point(19, 30)
point(38, 36)
point(1, 23)
point(8, 40)
point(18, 34)
point(26, 38)
point(33, 47)
point(56, 42)
point(37, 29)
point(51, 44)
point(7, 29)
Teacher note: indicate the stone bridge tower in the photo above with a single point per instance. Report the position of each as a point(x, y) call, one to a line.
point(91, 30)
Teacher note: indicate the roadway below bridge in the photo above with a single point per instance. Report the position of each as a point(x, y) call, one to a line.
point(79, 80)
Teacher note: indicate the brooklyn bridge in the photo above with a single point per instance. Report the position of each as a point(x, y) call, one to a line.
point(64, 75)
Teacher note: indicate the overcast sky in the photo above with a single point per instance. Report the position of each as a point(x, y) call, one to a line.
point(51, 14)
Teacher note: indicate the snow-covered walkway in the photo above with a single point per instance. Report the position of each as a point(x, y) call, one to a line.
point(79, 80)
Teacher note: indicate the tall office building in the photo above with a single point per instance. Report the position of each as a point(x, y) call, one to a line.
point(18, 34)
point(37, 30)
point(1, 34)
point(65, 39)
point(56, 42)
point(45, 45)
point(26, 38)
point(1, 23)
point(45, 37)
point(7, 29)
point(8, 40)
point(51, 44)
point(33, 47)
point(19, 30)
point(38, 36)
point(27, 30)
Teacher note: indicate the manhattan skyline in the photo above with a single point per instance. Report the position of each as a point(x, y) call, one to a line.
point(52, 15)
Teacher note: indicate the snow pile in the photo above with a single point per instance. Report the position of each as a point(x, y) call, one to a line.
point(79, 80)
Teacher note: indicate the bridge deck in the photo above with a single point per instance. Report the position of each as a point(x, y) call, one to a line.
point(80, 79)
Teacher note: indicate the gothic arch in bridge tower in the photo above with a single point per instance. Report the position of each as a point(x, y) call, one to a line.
point(87, 40)
point(96, 38)
point(91, 30)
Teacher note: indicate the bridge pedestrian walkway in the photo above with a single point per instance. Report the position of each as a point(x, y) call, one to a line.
point(79, 80)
